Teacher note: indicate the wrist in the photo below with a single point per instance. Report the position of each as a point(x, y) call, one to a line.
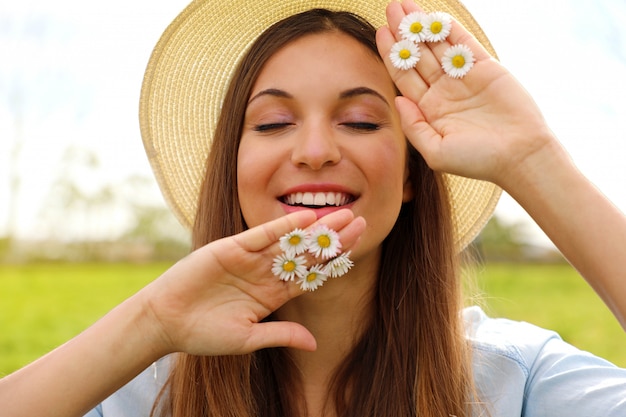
point(538, 171)
point(153, 339)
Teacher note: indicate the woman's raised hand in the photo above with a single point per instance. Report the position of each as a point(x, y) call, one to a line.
point(482, 126)
point(212, 302)
point(486, 126)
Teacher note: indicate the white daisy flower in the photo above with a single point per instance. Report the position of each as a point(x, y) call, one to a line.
point(287, 268)
point(437, 26)
point(412, 27)
point(313, 279)
point(294, 243)
point(324, 242)
point(404, 54)
point(457, 61)
point(339, 265)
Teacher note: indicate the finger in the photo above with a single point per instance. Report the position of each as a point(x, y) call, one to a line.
point(281, 334)
point(409, 82)
point(264, 235)
point(347, 226)
point(415, 82)
point(429, 66)
point(418, 131)
point(395, 13)
point(459, 35)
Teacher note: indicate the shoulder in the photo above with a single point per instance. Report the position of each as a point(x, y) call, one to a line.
point(519, 366)
point(516, 341)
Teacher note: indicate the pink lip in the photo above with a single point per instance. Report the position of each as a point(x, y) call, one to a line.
point(319, 212)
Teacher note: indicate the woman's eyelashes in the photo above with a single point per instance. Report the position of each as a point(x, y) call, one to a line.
point(269, 127)
point(357, 126)
point(362, 126)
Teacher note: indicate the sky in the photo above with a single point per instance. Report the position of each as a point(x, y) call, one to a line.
point(71, 71)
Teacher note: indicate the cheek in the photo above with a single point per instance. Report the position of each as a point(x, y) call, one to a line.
point(256, 165)
point(388, 169)
point(248, 176)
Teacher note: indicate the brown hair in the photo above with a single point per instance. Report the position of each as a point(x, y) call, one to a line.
point(412, 358)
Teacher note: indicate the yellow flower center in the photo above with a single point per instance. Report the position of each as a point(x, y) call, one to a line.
point(416, 27)
point(404, 54)
point(458, 61)
point(311, 277)
point(289, 266)
point(436, 27)
point(294, 240)
point(324, 241)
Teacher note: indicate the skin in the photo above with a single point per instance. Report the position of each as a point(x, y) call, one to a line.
point(312, 128)
point(488, 127)
point(466, 127)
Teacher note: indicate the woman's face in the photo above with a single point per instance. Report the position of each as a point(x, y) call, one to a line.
point(321, 132)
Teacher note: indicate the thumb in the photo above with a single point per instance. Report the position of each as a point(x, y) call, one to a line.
point(281, 334)
point(417, 130)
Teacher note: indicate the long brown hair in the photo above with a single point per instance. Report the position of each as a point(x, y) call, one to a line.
point(412, 359)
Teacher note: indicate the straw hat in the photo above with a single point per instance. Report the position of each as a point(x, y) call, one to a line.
point(189, 71)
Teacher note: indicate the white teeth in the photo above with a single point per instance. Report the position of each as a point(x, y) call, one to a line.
point(320, 199)
point(317, 199)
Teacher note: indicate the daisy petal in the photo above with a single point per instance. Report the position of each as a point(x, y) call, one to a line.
point(294, 243)
point(313, 279)
point(437, 26)
point(339, 266)
point(287, 268)
point(404, 54)
point(457, 61)
point(412, 27)
point(324, 242)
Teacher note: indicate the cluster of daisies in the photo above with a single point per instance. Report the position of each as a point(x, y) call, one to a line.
point(420, 27)
point(322, 243)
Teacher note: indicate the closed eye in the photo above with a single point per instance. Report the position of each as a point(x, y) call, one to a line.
point(362, 126)
point(267, 127)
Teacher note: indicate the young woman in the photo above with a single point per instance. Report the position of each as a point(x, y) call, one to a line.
point(312, 131)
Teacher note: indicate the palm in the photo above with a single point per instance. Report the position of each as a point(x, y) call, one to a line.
point(213, 301)
point(475, 127)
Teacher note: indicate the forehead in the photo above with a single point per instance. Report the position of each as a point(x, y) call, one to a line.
point(325, 59)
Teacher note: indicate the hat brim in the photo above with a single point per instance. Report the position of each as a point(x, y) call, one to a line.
point(189, 71)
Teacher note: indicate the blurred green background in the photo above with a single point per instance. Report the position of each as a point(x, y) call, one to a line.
point(42, 305)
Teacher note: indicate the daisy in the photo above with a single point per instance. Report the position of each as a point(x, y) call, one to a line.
point(412, 27)
point(339, 265)
point(324, 242)
point(313, 279)
point(457, 61)
point(437, 26)
point(294, 243)
point(287, 268)
point(404, 54)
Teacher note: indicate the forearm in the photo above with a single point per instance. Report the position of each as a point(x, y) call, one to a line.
point(75, 377)
point(586, 227)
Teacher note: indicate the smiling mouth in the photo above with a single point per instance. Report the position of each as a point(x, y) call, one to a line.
point(317, 200)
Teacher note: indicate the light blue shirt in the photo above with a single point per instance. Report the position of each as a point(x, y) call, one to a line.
point(520, 370)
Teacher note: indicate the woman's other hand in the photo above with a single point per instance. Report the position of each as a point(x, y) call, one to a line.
point(213, 301)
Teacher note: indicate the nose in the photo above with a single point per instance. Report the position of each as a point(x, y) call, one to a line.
point(315, 147)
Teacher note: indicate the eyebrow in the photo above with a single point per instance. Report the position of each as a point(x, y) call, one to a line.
point(344, 95)
point(275, 92)
point(359, 91)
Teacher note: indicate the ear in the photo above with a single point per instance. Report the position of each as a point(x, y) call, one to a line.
point(407, 187)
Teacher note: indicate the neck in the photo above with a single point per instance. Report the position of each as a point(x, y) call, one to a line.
point(335, 314)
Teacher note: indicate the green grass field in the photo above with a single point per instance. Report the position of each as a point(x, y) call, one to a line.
point(43, 305)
